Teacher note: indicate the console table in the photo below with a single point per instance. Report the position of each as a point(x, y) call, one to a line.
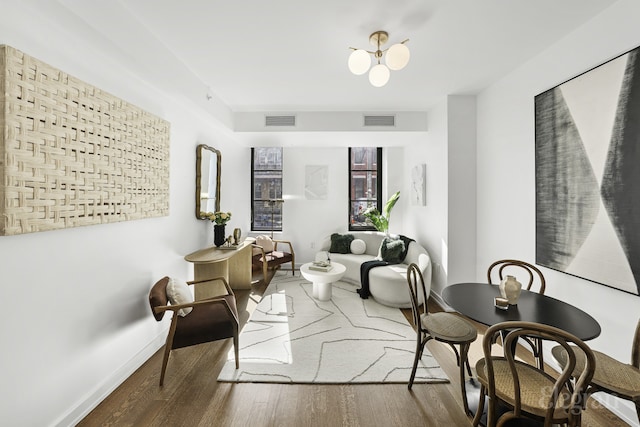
point(232, 264)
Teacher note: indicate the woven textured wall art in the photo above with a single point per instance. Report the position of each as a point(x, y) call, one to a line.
point(73, 155)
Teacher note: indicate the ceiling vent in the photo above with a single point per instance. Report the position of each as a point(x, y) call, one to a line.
point(379, 120)
point(280, 121)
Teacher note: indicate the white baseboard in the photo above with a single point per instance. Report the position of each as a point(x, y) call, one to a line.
point(101, 391)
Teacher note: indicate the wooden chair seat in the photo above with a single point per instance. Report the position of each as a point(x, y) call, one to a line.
point(449, 327)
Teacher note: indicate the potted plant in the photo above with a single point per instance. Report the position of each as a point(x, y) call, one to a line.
point(381, 220)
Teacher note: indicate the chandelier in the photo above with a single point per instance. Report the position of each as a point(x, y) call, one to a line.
point(396, 58)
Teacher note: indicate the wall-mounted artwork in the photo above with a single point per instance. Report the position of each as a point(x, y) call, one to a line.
point(418, 184)
point(587, 153)
point(316, 181)
point(72, 154)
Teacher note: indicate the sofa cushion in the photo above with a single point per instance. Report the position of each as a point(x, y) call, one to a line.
point(391, 250)
point(358, 246)
point(341, 243)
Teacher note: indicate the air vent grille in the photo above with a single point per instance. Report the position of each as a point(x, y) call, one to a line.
point(379, 120)
point(280, 121)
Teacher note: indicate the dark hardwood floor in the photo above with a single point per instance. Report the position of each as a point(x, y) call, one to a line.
point(191, 395)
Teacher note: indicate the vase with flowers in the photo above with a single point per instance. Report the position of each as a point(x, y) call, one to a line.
point(219, 219)
point(381, 220)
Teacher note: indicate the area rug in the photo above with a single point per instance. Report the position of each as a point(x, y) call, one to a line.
point(293, 338)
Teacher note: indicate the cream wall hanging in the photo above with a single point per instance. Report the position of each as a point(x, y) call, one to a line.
point(72, 154)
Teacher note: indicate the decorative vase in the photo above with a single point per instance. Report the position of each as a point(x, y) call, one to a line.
point(510, 289)
point(218, 234)
point(236, 236)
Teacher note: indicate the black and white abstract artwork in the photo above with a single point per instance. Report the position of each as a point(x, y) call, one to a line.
point(587, 163)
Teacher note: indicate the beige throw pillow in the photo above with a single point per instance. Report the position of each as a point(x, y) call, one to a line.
point(265, 242)
point(178, 292)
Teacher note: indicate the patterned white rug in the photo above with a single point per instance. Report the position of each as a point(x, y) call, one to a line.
point(293, 338)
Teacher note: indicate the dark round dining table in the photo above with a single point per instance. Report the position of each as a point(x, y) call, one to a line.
point(476, 301)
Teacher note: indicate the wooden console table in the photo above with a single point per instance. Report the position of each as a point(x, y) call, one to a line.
point(233, 265)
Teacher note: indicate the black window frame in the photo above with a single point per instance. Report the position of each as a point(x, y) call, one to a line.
point(357, 226)
point(268, 208)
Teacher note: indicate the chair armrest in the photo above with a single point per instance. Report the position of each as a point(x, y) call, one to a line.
point(275, 245)
point(216, 300)
point(226, 284)
point(255, 245)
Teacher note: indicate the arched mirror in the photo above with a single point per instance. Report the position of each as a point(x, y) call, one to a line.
point(208, 161)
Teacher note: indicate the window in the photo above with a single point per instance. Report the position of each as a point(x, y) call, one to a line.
point(266, 188)
point(365, 184)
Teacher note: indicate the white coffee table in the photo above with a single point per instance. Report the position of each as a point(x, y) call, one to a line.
point(322, 280)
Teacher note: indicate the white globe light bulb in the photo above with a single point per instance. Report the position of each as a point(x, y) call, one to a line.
point(397, 57)
point(359, 61)
point(379, 75)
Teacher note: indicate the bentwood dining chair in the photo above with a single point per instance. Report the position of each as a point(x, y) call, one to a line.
point(445, 327)
point(611, 376)
point(534, 282)
point(524, 391)
point(194, 322)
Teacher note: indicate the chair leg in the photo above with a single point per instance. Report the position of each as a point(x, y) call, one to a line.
point(165, 359)
point(539, 353)
point(464, 363)
point(264, 271)
point(236, 349)
point(168, 345)
point(480, 410)
point(419, 347)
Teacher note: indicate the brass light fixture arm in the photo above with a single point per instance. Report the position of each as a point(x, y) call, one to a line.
point(374, 52)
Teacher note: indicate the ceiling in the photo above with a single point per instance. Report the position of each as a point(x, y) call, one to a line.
point(291, 55)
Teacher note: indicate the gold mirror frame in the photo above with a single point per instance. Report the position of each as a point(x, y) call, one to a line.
point(204, 176)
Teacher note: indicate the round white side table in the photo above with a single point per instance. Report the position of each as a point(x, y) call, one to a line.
point(322, 280)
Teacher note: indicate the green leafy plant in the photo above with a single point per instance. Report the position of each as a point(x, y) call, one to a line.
point(378, 220)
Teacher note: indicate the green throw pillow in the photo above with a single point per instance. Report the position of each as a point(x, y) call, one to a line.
point(341, 243)
point(391, 250)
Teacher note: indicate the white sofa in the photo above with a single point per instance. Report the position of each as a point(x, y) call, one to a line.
point(387, 284)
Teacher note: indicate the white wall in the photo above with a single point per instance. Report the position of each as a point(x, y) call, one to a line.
point(76, 317)
point(308, 222)
point(428, 224)
point(446, 225)
point(506, 179)
point(461, 229)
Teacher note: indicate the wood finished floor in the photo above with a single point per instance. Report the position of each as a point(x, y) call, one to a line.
point(191, 395)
